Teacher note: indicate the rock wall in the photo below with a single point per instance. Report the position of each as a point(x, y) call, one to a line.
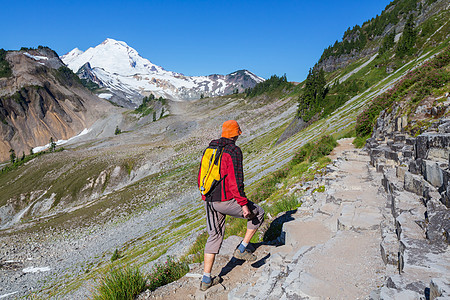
point(415, 231)
point(295, 126)
point(41, 100)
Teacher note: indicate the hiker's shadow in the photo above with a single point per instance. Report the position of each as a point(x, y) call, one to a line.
point(274, 235)
point(234, 262)
point(274, 230)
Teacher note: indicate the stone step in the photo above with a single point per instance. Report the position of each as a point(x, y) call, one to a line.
point(358, 218)
point(305, 233)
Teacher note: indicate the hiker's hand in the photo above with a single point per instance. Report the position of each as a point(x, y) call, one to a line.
point(245, 211)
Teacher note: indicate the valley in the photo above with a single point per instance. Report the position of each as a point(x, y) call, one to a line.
point(125, 193)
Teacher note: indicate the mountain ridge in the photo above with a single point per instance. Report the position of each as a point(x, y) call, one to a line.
point(360, 41)
point(120, 69)
point(42, 99)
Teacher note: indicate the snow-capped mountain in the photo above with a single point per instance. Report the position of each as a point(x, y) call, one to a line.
point(120, 69)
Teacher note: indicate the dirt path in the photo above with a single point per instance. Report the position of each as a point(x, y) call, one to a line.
point(331, 250)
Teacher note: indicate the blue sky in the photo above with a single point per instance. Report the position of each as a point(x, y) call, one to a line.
point(192, 37)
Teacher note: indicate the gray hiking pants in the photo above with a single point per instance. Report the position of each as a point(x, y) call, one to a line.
point(215, 220)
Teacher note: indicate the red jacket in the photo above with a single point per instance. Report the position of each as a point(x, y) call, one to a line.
point(231, 172)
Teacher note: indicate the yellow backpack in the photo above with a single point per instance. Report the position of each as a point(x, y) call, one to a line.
point(210, 169)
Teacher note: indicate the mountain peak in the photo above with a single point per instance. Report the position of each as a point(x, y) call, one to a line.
point(119, 67)
point(113, 56)
point(110, 41)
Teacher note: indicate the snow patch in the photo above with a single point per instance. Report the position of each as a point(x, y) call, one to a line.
point(105, 96)
point(7, 295)
point(60, 142)
point(254, 77)
point(36, 269)
point(35, 57)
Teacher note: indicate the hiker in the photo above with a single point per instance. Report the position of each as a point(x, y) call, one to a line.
point(227, 198)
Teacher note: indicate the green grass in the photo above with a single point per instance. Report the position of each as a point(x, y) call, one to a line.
point(360, 141)
point(196, 250)
point(286, 204)
point(127, 282)
point(120, 283)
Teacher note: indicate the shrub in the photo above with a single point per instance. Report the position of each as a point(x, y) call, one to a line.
point(267, 186)
point(120, 283)
point(168, 272)
point(90, 84)
point(18, 163)
point(5, 69)
point(115, 255)
point(302, 155)
point(66, 76)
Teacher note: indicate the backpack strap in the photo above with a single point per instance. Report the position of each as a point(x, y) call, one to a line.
point(210, 209)
point(218, 154)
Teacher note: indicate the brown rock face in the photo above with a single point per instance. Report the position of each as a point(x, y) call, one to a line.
point(42, 99)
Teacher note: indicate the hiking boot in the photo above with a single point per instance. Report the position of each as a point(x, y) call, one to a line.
point(247, 255)
point(214, 280)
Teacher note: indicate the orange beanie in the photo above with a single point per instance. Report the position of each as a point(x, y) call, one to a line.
point(230, 129)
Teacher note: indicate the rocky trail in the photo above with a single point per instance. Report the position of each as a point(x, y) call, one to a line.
point(332, 247)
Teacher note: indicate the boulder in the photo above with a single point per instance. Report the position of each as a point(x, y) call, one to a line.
point(433, 173)
point(414, 183)
point(400, 172)
point(439, 287)
point(410, 141)
point(399, 138)
point(392, 155)
point(434, 146)
point(438, 228)
point(296, 125)
point(444, 126)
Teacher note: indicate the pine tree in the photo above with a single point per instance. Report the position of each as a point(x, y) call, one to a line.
point(313, 94)
point(12, 156)
point(408, 39)
point(52, 145)
point(388, 42)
